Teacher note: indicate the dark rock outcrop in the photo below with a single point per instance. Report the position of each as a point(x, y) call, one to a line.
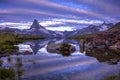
point(105, 55)
point(61, 48)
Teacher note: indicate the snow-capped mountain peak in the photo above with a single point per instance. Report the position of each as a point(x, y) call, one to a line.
point(36, 25)
point(37, 29)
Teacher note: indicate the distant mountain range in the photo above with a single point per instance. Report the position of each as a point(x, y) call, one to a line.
point(93, 29)
point(37, 29)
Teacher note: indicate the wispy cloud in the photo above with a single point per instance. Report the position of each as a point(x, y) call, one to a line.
point(52, 22)
point(61, 28)
point(16, 25)
point(61, 13)
point(104, 6)
point(34, 12)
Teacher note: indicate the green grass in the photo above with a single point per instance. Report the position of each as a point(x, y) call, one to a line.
point(8, 39)
point(1, 62)
point(113, 77)
point(7, 74)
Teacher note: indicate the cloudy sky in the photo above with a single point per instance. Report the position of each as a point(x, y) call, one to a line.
point(58, 14)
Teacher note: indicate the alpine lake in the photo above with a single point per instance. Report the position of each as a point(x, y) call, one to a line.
point(48, 59)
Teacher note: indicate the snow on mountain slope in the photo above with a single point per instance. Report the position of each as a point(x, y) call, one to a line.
point(44, 30)
point(105, 26)
point(59, 33)
point(93, 29)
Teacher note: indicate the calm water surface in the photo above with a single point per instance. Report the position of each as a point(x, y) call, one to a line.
point(80, 65)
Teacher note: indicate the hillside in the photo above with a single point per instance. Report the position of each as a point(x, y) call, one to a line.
point(109, 38)
point(115, 27)
point(8, 40)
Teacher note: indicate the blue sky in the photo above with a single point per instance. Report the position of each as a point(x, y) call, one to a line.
point(58, 14)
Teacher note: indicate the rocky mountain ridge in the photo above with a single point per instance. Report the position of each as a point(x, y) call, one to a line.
point(37, 29)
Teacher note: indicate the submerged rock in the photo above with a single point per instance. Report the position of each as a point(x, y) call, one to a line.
point(61, 48)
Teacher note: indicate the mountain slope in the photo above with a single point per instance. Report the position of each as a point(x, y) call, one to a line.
point(94, 29)
point(110, 37)
point(115, 27)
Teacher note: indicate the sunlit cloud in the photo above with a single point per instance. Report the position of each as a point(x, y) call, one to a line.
point(61, 28)
point(15, 25)
point(52, 22)
point(79, 21)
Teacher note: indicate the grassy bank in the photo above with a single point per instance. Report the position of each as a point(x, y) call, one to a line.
point(11, 73)
point(9, 39)
point(113, 77)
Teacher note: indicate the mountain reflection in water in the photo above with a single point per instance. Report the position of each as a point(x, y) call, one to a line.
point(37, 45)
point(51, 64)
point(72, 47)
